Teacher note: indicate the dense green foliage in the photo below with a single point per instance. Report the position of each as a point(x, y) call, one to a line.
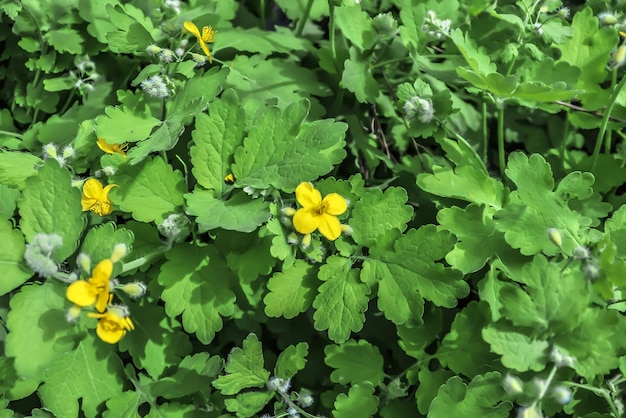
point(479, 269)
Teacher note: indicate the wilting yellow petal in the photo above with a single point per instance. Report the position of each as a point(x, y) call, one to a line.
point(105, 146)
point(329, 226)
point(334, 204)
point(307, 195)
point(305, 220)
point(81, 293)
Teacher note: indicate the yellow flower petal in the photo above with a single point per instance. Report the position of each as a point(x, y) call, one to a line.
point(192, 28)
point(109, 333)
point(92, 189)
point(81, 293)
point(329, 226)
point(96, 198)
point(307, 195)
point(306, 220)
point(334, 204)
point(105, 146)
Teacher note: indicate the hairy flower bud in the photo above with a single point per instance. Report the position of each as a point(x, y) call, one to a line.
point(119, 251)
point(134, 289)
point(580, 253)
point(153, 49)
point(175, 227)
point(513, 385)
point(562, 394)
point(50, 151)
point(554, 235)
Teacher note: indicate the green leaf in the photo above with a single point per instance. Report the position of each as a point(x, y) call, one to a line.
point(197, 285)
point(134, 31)
point(124, 405)
point(8, 201)
point(589, 48)
point(244, 369)
point(273, 79)
point(519, 352)
point(461, 350)
point(101, 239)
point(291, 360)
point(125, 124)
point(36, 322)
point(357, 77)
point(239, 213)
point(253, 260)
point(65, 40)
point(157, 342)
point(341, 301)
point(281, 40)
point(215, 138)
point(410, 268)
point(430, 382)
point(481, 398)
point(91, 373)
point(291, 291)
point(355, 362)
point(551, 300)
point(359, 402)
point(356, 25)
point(50, 204)
point(465, 183)
point(377, 213)
point(475, 56)
point(194, 373)
point(14, 271)
point(246, 405)
point(534, 207)
point(150, 190)
point(476, 233)
point(279, 148)
point(164, 138)
point(16, 167)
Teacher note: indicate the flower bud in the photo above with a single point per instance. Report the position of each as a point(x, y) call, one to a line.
point(289, 211)
point(72, 314)
point(68, 152)
point(618, 57)
point(50, 151)
point(40, 263)
point(279, 385)
point(292, 239)
point(346, 230)
point(591, 269)
point(554, 235)
point(84, 261)
point(167, 55)
point(305, 399)
point(561, 359)
point(229, 179)
point(306, 241)
point(580, 253)
point(513, 385)
point(607, 18)
point(134, 289)
point(153, 49)
point(119, 251)
point(385, 25)
point(562, 394)
point(293, 412)
point(199, 59)
point(529, 412)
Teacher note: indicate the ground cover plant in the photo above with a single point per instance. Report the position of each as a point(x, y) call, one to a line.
point(307, 208)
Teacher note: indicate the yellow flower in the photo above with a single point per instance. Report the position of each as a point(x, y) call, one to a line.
point(94, 290)
point(113, 324)
point(112, 148)
point(318, 213)
point(208, 35)
point(96, 198)
point(230, 179)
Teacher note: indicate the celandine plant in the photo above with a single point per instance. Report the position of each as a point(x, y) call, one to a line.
point(315, 208)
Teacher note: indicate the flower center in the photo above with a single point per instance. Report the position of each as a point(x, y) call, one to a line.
point(321, 208)
point(110, 326)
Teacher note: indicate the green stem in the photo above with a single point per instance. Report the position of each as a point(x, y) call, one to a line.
point(262, 14)
point(13, 134)
point(501, 138)
point(331, 35)
point(485, 138)
point(391, 61)
point(304, 18)
point(131, 265)
point(600, 392)
point(609, 131)
point(564, 139)
point(605, 122)
point(67, 103)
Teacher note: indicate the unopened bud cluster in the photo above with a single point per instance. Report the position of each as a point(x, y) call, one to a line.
point(160, 86)
point(62, 156)
point(84, 75)
point(435, 27)
point(385, 25)
point(176, 227)
point(420, 108)
point(302, 400)
point(38, 253)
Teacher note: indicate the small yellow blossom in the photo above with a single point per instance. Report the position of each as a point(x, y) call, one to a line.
point(318, 213)
point(96, 198)
point(112, 324)
point(230, 179)
point(208, 35)
point(94, 290)
point(112, 148)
